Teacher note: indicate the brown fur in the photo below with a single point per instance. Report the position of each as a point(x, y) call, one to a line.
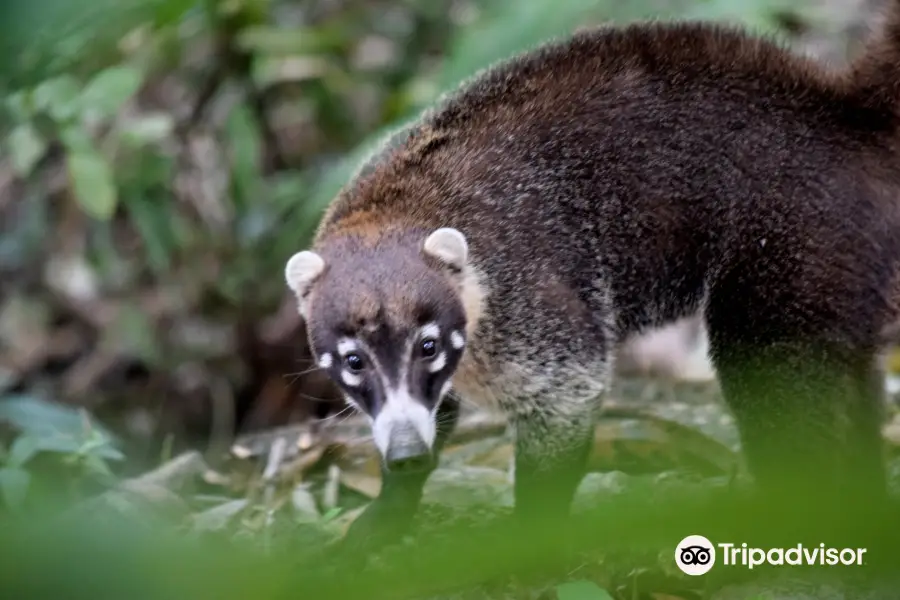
point(624, 178)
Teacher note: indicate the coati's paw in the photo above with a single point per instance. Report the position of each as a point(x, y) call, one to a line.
point(379, 525)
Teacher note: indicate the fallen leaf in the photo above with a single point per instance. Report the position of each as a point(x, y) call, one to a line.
point(361, 482)
point(343, 521)
point(217, 517)
point(304, 503)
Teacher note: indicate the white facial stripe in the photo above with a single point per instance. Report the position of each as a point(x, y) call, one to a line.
point(439, 362)
point(445, 389)
point(402, 410)
point(326, 360)
point(430, 330)
point(457, 340)
point(351, 379)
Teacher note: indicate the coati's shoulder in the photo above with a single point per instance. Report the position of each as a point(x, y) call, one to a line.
point(367, 204)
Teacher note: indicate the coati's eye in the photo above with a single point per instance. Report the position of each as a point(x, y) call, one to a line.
point(429, 348)
point(354, 361)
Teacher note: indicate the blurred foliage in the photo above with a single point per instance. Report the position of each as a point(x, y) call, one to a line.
point(591, 558)
point(82, 446)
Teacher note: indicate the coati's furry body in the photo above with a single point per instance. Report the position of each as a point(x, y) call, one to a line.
point(613, 181)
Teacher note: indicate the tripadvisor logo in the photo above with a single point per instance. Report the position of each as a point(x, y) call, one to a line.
point(696, 555)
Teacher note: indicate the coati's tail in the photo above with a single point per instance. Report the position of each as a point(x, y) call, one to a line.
point(875, 74)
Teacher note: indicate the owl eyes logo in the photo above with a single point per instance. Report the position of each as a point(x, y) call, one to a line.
point(695, 555)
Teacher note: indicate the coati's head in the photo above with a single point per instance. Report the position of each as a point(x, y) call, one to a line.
point(386, 321)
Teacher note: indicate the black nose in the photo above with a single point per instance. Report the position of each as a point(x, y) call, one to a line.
point(407, 451)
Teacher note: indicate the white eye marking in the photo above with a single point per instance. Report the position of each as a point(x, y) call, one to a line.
point(430, 331)
point(439, 362)
point(457, 340)
point(346, 346)
point(350, 379)
point(326, 361)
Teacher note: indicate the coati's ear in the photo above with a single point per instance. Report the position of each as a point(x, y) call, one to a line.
point(301, 271)
point(449, 246)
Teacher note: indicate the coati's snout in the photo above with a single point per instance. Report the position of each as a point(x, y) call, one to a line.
point(386, 322)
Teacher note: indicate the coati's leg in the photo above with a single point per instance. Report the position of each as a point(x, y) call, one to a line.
point(552, 444)
point(564, 375)
point(807, 410)
point(390, 515)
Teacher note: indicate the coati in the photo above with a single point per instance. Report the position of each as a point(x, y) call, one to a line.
point(500, 248)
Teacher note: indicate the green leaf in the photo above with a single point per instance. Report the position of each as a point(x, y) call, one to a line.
point(20, 104)
point(147, 129)
point(92, 181)
point(26, 147)
point(47, 420)
point(581, 590)
point(265, 39)
point(154, 223)
point(95, 465)
point(508, 28)
point(75, 138)
point(332, 514)
point(22, 449)
point(246, 152)
point(97, 445)
point(34, 415)
point(59, 443)
point(756, 16)
point(110, 89)
point(14, 486)
point(28, 445)
point(59, 97)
